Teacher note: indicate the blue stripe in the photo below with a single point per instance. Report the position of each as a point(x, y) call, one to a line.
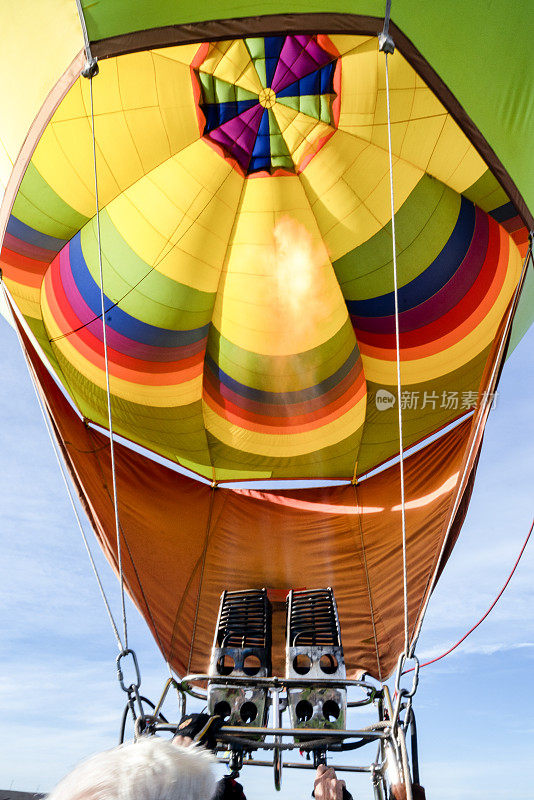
point(434, 277)
point(29, 235)
point(283, 398)
point(273, 48)
point(261, 154)
point(507, 211)
point(218, 113)
point(118, 319)
point(316, 83)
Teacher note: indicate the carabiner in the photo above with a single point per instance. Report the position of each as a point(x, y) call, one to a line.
point(133, 686)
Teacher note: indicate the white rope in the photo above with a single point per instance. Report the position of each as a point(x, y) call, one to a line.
point(48, 423)
point(108, 392)
point(399, 405)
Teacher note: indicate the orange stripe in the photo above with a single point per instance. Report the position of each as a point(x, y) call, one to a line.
point(520, 235)
point(21, 276)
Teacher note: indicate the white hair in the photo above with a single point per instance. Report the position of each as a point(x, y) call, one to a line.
point(150, 769)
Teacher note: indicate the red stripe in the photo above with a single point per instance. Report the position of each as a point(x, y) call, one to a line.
point(23, 262)
point(513, 224)
point(29, 250)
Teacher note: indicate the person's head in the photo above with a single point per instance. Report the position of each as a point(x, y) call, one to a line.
point(150, 769)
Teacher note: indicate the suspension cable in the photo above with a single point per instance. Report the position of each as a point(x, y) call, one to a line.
point(106, 364)
point(488, 612)
point(50, 430)
point(386, 44)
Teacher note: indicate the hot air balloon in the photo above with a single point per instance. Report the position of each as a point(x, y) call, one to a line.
point(283, 265)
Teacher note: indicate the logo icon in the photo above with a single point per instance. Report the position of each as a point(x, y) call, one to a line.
point(384, 400)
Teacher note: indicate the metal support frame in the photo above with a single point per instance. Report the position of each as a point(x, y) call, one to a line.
point(239, 746)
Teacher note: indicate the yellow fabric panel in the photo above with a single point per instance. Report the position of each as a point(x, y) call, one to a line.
point(133, 133)
point(276, 265)
point(359, 82)
point(344, 44)
point(299, 130)
point(420, 139)
point(6, 165)
point(425, 102)
point(405, 177)
point(216, 54)
point(136, 77)
point(184, 53)
point(27, 298)
point(284, 445)
point(179, 218)
point(230, 61)
point(422, 132)
point(455, 161)
point(39, 41)
point(347, 183)
point(64, 158)
point(176, 102)
point(401, 74)
point(457, 355)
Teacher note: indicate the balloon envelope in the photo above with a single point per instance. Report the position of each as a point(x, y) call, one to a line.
point(245, 240)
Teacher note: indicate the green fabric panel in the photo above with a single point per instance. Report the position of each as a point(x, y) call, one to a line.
point(326, 108)
point(336, 461)
point(423, 225)
point(174, 431)
point(524, 315)
point(380, 439)
point(311, 105)
point(147, 295)
point(290, 102)
point(106, 18)
point(316, 106)
point(38, 206)
point(280, 154)
point(283, 162)
point(486, 193)
point(208, 86)
point(282, 373)
point(38, 329)
point(256, 48)
point(219, 91)
point(481, 51)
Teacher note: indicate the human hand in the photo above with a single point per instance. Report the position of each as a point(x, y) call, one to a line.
point(199, 728)
point(327, 786)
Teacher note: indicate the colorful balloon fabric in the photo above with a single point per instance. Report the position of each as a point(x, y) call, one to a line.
point(246, 248)
point(245, 239)
point(250, 117)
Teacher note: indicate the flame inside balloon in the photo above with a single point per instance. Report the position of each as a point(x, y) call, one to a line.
point(300, 266)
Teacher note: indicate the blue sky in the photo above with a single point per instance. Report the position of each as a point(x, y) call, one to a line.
point(58, 690)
